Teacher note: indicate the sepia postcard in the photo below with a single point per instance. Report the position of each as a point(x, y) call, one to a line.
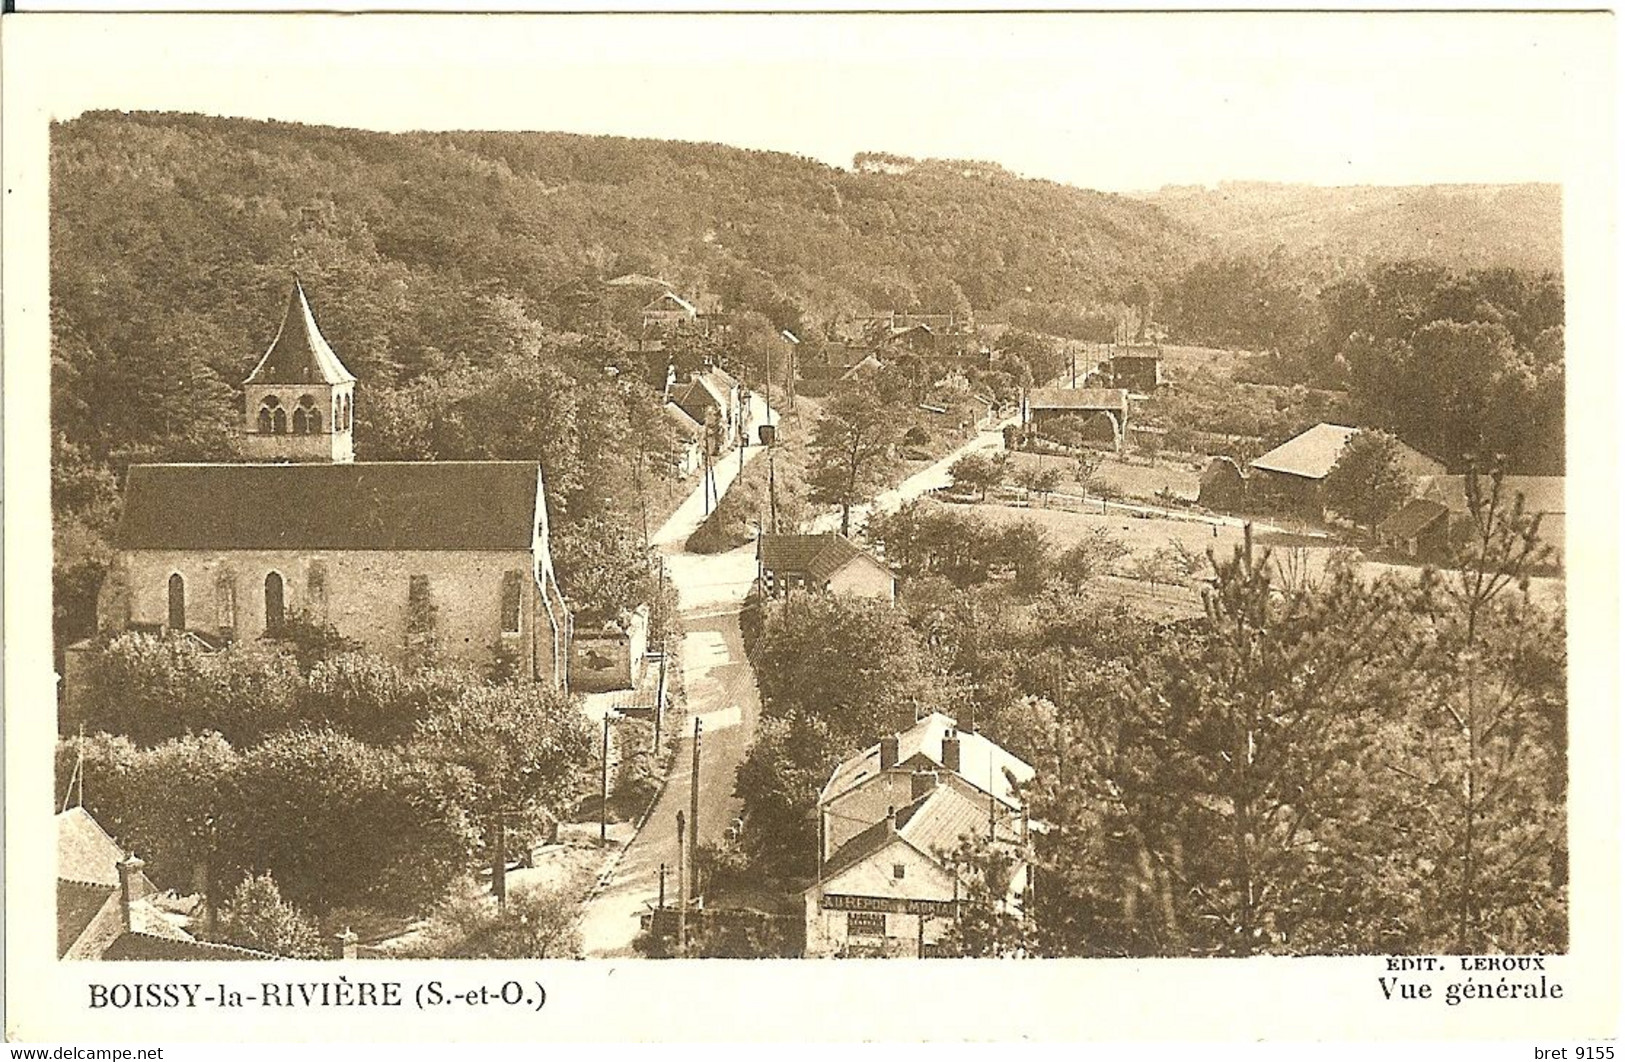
point(788, 526)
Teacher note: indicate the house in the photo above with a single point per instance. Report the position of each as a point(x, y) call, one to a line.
point(1421, 530)
point(399, 556)
point(1541, 495)
point(711, 395)
point(887, 774)
point(868, 365)
point(1137, 368)
point(610, 655)
point(890, 819)
point(690, 439)
point(105, 905)
point(827, 563)
point(1294, 472)
point(670, 312)
point(1222, 484)
point(1102, 411)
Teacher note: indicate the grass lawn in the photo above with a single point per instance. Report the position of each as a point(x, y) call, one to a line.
point(1137, 477)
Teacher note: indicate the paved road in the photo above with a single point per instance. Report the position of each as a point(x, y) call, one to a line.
point(720, 689)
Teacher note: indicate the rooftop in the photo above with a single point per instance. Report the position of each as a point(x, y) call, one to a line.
point(982, 763)
point(405, 505)
point(1113, 398)
point(1310, 455)
point(1541, 494)
point(299, 354)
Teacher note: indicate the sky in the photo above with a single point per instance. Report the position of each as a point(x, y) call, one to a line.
point(1116, 102)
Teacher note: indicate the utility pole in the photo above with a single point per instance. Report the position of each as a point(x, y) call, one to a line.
point(682, 890)
point(662, 902)
point(660, 695)
point(603, 787)
point(694, 809)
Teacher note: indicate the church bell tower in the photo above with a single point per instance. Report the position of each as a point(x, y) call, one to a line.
point(299, 400)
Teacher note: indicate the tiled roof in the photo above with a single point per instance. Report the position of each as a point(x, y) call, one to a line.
point(409, 505)
point(87, 918)
point(85, 853)
point(818, 557)
point(299, 354)
point(637, 280)
point(1112, 398)
point(1310, 455)
point(982, 763)
point(139, 947)
point(1541, 494)
point(686, 424)
point(1412, 519)
point(682, 303)
point(932, 824)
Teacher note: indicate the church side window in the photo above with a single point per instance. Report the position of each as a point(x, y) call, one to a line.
point(274, 610)
point(225, 592)
point(510, 602)
point(177, 602)
point(279, 421)
point(316, 590)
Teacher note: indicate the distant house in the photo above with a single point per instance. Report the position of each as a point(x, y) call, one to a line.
point(1540, 495)
point(889, 819)
point(870, 363)
point(1104, 412)
point(669, 312)
point(105, 905)
point(1139, 369)
point(690, 436)
point(827, 563)
point(1222, 485)
point(1420, 530)
point(710, 394)
point(1294, 472)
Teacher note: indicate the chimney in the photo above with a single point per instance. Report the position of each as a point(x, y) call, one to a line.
point(344, 944)
point(950, 750)
point(891, 818)
point(923, 783)
point(129, 887)
point(888, 753)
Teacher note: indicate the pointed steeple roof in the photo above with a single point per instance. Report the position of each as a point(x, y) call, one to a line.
point(299, 354)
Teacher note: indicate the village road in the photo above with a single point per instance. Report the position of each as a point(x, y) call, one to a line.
point(720, 690)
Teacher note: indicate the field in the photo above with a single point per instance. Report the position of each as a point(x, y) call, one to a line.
point(1137, 477)
point(1153, 544)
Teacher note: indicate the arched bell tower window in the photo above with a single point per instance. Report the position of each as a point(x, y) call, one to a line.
point(268, 409)
point(307, 419)
point(273, 601)
point(344, 413)
point(177, 602)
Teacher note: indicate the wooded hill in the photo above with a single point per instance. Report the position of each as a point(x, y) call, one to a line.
point(1347, 229)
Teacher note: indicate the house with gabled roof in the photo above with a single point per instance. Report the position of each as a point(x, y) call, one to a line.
point(1439, 516)
point(1294, 472)
point(889, 774)
point(105, 905)
point(399, 556)
point(1102, 412)
point(827, 563)
point(891, 819)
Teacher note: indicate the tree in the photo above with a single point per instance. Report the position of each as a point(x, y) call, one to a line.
point(1368, 483)
point(1090, 556)
point(851, 450)
point(523, 747)
point(990, 923)
point(978, 472)
point(1185, 812)
point(257, 917)
point(1037, 480)
point(1481, 753)
point(536, 922)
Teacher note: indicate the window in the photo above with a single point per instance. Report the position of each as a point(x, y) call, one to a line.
point(177, 602)
point(898, 870)
point(225, 594)
point(510, 602)
point(264, 422)
point(306, 419)
point(279, 421)
point(344, 414)
point(316, 590)
point(273, 601)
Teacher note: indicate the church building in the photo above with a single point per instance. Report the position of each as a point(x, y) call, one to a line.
point(407, 558)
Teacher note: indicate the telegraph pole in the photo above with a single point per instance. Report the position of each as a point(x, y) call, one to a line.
point(682, 890)
point(694, 809)
point(603, 787)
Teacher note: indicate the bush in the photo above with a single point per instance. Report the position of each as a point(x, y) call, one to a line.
point(257, 917)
